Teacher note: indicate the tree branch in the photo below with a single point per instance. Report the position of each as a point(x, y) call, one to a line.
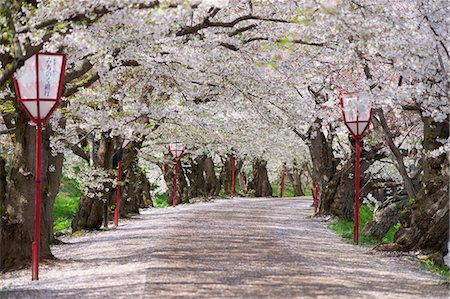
point(84, 16)
point(207, 24)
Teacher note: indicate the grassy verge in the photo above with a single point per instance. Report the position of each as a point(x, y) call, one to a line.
point(288, 190)
point(344, 228)
point(443, 270)
point(160, 200)
point(65, 204)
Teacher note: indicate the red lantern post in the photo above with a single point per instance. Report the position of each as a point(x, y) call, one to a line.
point(316, 197)
point(283, 174)
point(232, 176)
point(357, 113)
point(176, 150)
point(39, 85)
point(125, 142)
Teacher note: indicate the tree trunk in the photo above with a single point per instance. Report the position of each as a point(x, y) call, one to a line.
point(168, 170)
point(295, 177)
point(225, 174)
point(197, 182)
point(135, 188)
point(398, 158)
point(338, 196)
point(89, 213)
point(260, 185)
point(323, 160)
point(18, 207)
point(212, 183)
point(243, 182)
point(427, 225)
point(3, 184)
point(386, 216)
point(136, 192)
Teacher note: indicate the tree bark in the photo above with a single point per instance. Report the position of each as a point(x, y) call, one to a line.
point(18, 206)
point(386, 216)
point(168, 169)
point(3, 183)
point(426, 226)
point(89, 213)
point(338, 196)
point(195, 173)
point(295, 177)
point(225, 174)
point(212, 182)
point(407, 182)
point(135, 189)
point(323, 160)
point(243, 182)
point(260, 185)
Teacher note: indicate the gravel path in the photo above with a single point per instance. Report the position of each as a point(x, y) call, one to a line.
point(244, 248)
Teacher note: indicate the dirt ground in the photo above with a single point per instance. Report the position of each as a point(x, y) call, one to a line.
point(241, 248)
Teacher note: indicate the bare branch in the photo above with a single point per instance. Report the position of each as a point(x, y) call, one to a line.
point(207, 24)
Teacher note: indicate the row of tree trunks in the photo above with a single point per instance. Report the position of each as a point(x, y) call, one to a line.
point(89, 215)
point(203, 181)
point(426, 225)
point(17, 207)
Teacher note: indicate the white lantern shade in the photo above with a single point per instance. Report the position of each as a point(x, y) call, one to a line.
point(127, 137)
point(125, 142)
point(50, 68)
point(26, 79)
point(176, 149)
point(39, 84)
point(357, 111)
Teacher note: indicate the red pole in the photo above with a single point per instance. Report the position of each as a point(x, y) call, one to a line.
point(35, 247)
point(174, 199)
point(117, 209)
point(232, 177)
point(316, 197)
point(356, 226)
point(283, 174)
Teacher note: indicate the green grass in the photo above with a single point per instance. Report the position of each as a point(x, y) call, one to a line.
point(288, 190)
point(443, 270)
point(389, 238)
point(161, 201)
point(65, 204)
point(344, 228)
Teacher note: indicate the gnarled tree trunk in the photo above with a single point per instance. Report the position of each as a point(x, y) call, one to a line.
point(135, 188)
point(387, 214)
point(243, 182)
point(338, 196)
point(18, 206)
point(196, 177)
point(426, 226)
point(212, 182)
point(90, 209)
point(260, 185)
point(295, 177)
